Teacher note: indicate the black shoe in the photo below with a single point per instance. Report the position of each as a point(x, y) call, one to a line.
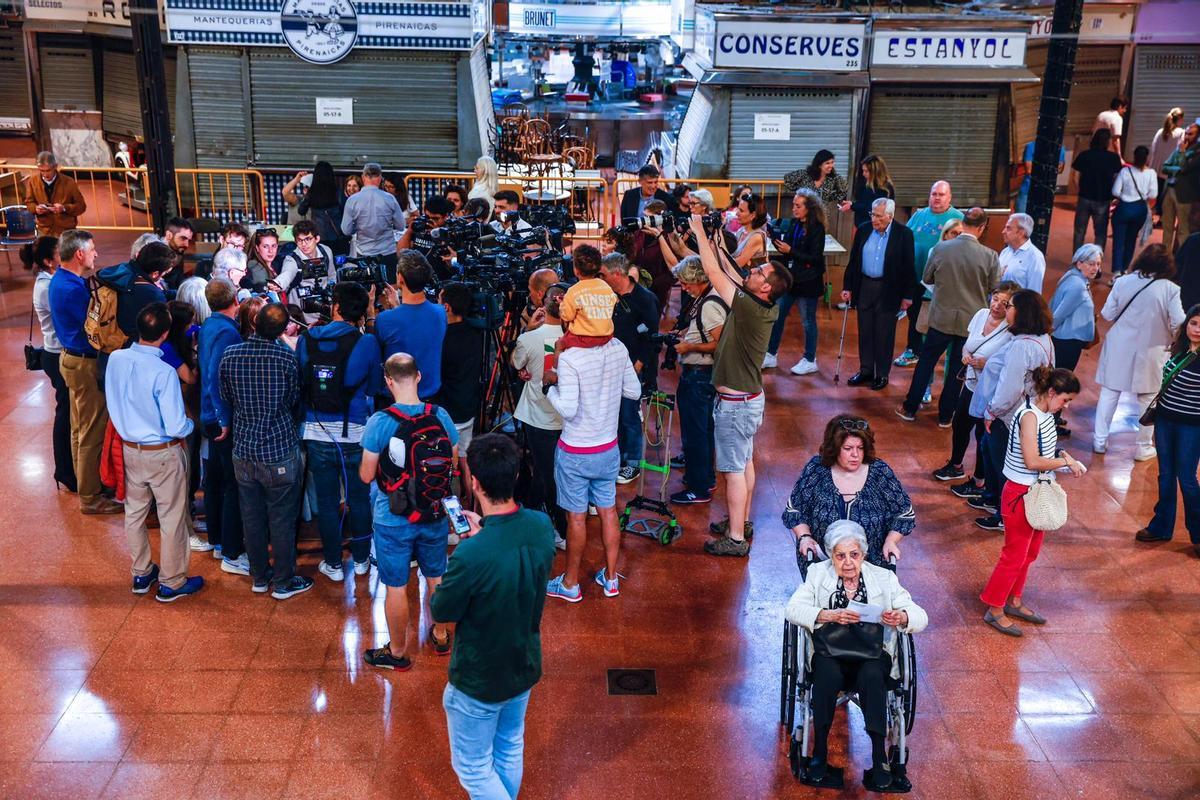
point(949, 473)
point(689, 498)
point(980, 504)
point(382, 658)
point(879, 384)
point(992, 523)
point(295, 586)
point(817, 769)
point(859, 379)
point(441, 648)
point(967, 489)
point(677, 462)
point(881, 775)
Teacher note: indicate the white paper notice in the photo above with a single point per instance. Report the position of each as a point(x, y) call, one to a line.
point(866, 612)
point(773, 127)
point(335, 110)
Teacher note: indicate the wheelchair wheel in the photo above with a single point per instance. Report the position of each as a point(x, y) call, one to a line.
point(908, 667)
point(787, 681)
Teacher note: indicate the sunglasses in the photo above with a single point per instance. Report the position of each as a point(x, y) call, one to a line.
point(261, 232)
point(853, 425)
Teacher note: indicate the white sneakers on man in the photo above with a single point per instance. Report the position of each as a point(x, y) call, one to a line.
point(804, 367)
point(198, 544)
point(770, 361)
point(1145, 453)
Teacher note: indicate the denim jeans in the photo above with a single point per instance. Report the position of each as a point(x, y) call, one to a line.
point(487, 743)
point(995, 444)
point(1096, 212)
point(221, 501)
point(696, 395)
point(333, 467)
point(1127, 222)
point(270, 495)
point(808, 314)
point(629, 432)
point(1178, 448)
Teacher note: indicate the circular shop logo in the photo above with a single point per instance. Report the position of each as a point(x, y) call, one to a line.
point(319, 31)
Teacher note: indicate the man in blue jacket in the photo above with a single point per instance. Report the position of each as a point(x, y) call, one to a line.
point(219, 332)
point(340, 374)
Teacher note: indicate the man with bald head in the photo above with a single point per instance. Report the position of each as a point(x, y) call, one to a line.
point(533, 315)
point(926, 226)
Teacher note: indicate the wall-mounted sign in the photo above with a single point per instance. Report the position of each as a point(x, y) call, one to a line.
point(825, 46)
point(948, 49)
point(21, 124)
point(597, 19)
point(335, 110)
point(1098, 25)
point(57, 10)
point(683, 23)
point(773, 127)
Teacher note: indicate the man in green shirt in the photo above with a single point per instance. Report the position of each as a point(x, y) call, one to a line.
point(926, 225)
point(494, 589)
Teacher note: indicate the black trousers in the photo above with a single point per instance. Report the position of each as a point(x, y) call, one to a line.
point(962, 428)
point(1067, 352)
point(64, 468)
point(867, 678)
point(915, 337)
point(221, 502)
point(995, 443)
point(876, 329)
point(542, 443)
point(932, 348)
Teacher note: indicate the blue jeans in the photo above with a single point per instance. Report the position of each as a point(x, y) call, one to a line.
point(808, 313)
point(270, 498)
point(696, 396)
point(333, 467)
point(1127, 220)
point(1178, 448)
point(487, 743)
point(629, 432)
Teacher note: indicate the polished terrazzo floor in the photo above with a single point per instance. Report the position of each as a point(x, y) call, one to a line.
point(231, 694)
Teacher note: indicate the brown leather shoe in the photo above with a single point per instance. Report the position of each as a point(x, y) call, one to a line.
point(1144, 535)
point(102, 506)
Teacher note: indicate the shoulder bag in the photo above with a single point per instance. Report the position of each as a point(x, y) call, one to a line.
point(962, 372)
point(1121, 313)
point(1046, 501)
point(33, 355)
point(1151, 413)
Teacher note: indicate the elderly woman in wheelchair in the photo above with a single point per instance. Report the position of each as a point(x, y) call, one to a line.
point(858, 618)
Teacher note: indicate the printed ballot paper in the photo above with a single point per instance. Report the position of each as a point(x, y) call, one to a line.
point(866, 612)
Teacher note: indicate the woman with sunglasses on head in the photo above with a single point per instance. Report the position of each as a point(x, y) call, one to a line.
point(261, 268)
point(845, 480)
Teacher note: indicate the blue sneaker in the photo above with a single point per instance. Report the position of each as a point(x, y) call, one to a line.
point(555, 588)
point(141, 584)
point(190, 586)
point(295, 586)
point(612, 588)
point(216, 553)
point(908, 358)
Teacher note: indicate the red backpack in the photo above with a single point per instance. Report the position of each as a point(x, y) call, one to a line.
point(416, 489)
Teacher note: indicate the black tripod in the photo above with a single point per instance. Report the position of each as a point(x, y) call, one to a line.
point(500, 380)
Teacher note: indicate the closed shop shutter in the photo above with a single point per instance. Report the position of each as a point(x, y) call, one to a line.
point(930, 133)
point(692, 130)
point(122, 108)
point(1096, 81)
point(68, 80)
point(14, 81)
point(218, 119)
point(1027, 100)
point(1163, 78)
point(820, 118)
point(405, 110)
point(482, 87)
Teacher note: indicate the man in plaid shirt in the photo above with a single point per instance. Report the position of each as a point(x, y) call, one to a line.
point(260, 380)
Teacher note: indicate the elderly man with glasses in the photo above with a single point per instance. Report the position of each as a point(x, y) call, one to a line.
point(1021, 261)
point(53, 198)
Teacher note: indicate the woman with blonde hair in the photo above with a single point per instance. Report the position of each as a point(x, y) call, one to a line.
point(487, 181)
point(873, 182)
point(1162, 145)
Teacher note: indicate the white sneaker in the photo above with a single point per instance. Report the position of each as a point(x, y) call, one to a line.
point(770, 361)
point(1145, 454)
point(363, 567)
point(199, 545)
point(804, 367)
point(559, 542)
point(592, 512)
point(1099, 448)
point(335, 574)
point(238, 566)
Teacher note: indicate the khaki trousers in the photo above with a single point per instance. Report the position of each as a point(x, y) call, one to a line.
point(161, 476)
point(89, 418)
point(1174, 214)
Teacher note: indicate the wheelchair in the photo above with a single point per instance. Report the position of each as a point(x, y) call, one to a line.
point(795, 707)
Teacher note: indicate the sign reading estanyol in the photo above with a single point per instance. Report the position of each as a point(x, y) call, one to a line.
point(948, 48)
point(825, 46)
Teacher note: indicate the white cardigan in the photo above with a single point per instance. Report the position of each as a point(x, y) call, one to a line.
point(1135, 348)
point(883, 589)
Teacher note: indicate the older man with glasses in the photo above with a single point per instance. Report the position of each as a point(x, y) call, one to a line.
point(53, 198)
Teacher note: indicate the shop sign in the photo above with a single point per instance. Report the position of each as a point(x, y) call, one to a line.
point(20, 124)
point(773, 127)
point(335, 110)
point(1098, 25)
point(56, 10)
point(948, 49)
point(788, 45)
point(597, 19)
point(683, 22)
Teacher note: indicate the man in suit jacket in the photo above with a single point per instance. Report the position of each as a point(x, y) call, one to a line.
point(53, 198)
point(963, 272)
point(879, 281)
point(634, 201)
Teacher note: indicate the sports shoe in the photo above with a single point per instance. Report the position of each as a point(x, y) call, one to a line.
point(722, 528)
point(261, 585)
point(295, 586)
point(904, 414)
point(980, 504)
point(559, 542)
point(770, 361)
point(950, 473)
point(198, 545)
point(677, 462)
point(612, 588)
point(804, 367)
point(1099, 448)
point(335, 574)
point(382, 658)
point(200, 525)
point(593, 511)
point(141, 583)
point(906, 359)
point(945, 423)
point(236, 566)
point(1145, 454)
point(190, 586)
point(216, 553)
point(441, 648)
point(967, 489)
point(842, 306)
point(689, 498)
point(725, 546)
point(555, 588)
point(362, 567)
point(628, 475)
point(990, 523)
point(927, 398)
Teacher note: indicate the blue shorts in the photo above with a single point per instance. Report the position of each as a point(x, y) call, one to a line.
point(584, 478)
point(397, 545)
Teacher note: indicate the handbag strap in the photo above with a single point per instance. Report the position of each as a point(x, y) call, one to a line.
point(1135, 297)
point(1136, 188)
point(1169, 378)
point(1003, 327)
point(31, 315)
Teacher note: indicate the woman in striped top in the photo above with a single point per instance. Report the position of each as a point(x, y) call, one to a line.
point(1032, 450)
point(1177, 437)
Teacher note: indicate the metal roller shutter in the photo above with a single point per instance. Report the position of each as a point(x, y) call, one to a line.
point(68, 80)
point(122, 107)
point(215, 78)
point(14, 81)
point(482, 88)
point(1163, 77)
point(1027, 101)
point(405, 110)
point(692, 129)
point(820, 119)
point(1096, 81)
point(910, 128)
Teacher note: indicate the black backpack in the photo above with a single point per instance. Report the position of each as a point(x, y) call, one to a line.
point(415, 490)
point(325, 388)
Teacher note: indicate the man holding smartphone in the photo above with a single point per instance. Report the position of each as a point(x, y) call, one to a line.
point(53, 198)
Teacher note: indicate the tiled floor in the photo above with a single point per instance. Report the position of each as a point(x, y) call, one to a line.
point(231, 694)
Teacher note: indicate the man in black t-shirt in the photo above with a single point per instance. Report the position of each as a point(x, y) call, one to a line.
point(462, 371)
point(1097, 167)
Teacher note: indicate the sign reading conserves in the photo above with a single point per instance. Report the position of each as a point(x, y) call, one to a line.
point(788, 45)
point(948, 48)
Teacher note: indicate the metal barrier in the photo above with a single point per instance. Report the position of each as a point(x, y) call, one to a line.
point(229, 195)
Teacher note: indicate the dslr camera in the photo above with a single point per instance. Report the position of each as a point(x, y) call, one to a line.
point(668, 341)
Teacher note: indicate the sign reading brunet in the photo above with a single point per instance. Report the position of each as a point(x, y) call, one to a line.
point(831, 47)
point(948, 49)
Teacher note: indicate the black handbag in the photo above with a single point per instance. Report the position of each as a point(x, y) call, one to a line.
point(862, 641)
point(33, 355)
point(1151, 413)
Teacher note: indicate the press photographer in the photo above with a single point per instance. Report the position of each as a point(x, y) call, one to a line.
point(508, 218)
point(420, 235)
point(309, 271)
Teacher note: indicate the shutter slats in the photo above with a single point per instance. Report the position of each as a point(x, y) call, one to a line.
point(67, 75)
point(215, 77)
point(14, 78)
point(1096, 81)
point(692, 129)
point(820, 119)
point(1164, 77)
point(122, 107)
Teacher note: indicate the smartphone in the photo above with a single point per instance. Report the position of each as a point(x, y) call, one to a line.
point(455, 512)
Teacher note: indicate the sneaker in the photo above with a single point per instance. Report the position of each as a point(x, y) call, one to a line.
point(334, 574)
point(216, 553)
point(689, 498)
point(950, 473)
point(927, 398)
point(979, 504)
point(721, 528)
point(677, 462)
point(190, 586)
point(1145, 454)
point(907, 359)
point(382, 658)
point(199, 545)
point(612, 588)
point(441, 648)
point(593, 511)
point(628, 475)
point(261, 585)
point(200, 525)
point(236, 566)
point(967, 489)
point(295, 586)
point(990, 523)
point(725, 546)
point(804, 367)
point(559, 542)
point(1099, 448)
point(362, 567)
point(904, 414)
point(770, 361)
point(945, 423)
point(842, 306)
point(141, 584)
point(555, 588)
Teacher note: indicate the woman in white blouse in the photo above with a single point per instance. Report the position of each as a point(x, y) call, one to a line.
point(1135, 186)
point(1164, 143)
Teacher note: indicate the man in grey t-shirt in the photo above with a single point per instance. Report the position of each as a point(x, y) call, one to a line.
point(376, 217)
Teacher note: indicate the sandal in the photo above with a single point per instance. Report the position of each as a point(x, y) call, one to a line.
point(1011, 630)
point(1021, 612)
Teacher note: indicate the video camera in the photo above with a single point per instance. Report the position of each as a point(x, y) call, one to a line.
point(673, 222)
point(367, 270)
point(313, 288)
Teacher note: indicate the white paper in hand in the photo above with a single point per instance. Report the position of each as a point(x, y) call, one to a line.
point(396, 451)
point(866, 612)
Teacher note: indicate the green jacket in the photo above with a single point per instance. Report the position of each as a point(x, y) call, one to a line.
point(1187, 175)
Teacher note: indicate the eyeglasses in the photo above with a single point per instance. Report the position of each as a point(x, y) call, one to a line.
point(853, 424)
point(305, 239)
point(1008, 304)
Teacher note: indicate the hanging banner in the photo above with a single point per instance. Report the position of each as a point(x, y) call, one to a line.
point(948, 49)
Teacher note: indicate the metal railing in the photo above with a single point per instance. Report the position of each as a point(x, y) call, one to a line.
point(229, 195)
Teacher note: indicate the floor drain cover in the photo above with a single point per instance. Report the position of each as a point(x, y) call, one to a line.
point(632, 681)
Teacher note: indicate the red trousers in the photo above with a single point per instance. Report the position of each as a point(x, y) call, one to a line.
point(1021, 547)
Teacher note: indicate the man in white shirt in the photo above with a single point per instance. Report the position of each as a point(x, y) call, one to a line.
point(1020, 260)
point(1113, 119)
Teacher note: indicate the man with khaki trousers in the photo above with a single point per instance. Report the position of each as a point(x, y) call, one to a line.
point(145, 404)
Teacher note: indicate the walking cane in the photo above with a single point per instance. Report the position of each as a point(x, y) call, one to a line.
point(837, 372)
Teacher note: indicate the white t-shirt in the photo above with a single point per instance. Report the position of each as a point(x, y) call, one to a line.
point(1132, 185)
point(712, 316)
point(533, 408)
point(1109, 119)
point(1014, 458)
